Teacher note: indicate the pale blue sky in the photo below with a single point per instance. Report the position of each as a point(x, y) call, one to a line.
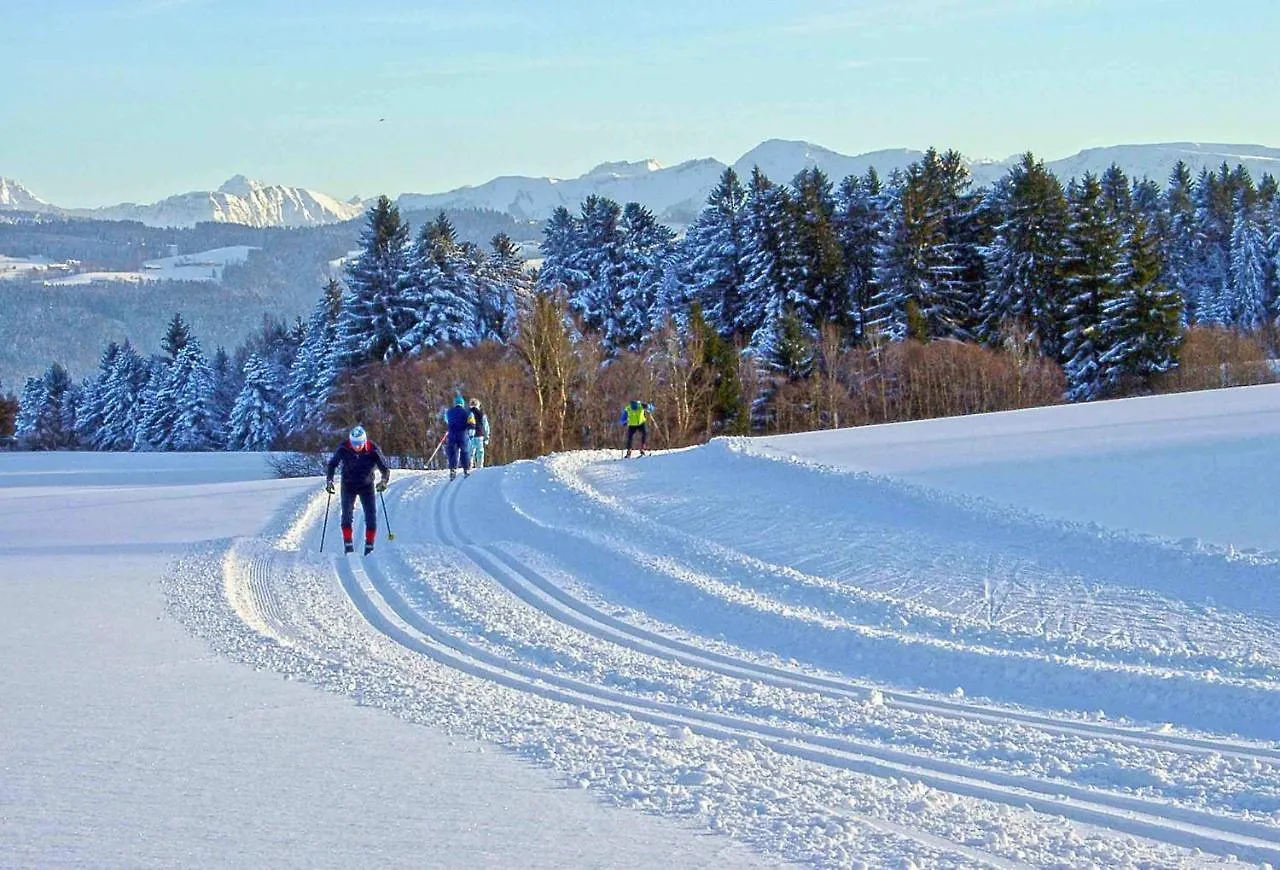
point(112, 100)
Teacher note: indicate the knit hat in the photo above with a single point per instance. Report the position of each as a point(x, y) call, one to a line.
point(459, 401)
point(358, 436)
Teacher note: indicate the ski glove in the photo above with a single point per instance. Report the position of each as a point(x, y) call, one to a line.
point(328, 487)
point(382, 486)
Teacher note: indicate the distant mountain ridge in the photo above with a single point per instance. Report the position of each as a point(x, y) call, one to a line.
point(240, 201)
point(675, 193)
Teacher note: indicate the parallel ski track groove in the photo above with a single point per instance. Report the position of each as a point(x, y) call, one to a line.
point(1166, 823)
point(466, 658)
point(904, 700)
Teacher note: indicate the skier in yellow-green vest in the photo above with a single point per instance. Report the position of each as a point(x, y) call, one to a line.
point(635, 416)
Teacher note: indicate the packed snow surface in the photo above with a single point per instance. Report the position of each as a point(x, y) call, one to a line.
point(1042, 638)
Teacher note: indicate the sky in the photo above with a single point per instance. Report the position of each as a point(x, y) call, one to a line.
point(106, 101)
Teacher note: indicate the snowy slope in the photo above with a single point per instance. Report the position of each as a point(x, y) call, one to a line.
point(811, 645)
point(124, 743)
point(200, 266)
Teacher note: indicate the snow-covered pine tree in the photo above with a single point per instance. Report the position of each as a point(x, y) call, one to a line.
point(189, 392)
point(1117, 194)
point(561, 253)
point(770, 262)
point(819, 296)
point(1091, 271)
point(859, 220)
point(442, 290)
point(30, 404)
point(1024, 259)
point(42, 411)
point(1177, 237)
point(228, 380)
point(121, 399)
point(1142, 320)
point(644, 247)
point(920, 260)
point(715, 250)
point(92, 406)
point(505, 288)
point(310, 380)
point(155, 410)
point(374, 314)
point(255, 418)
point(1250, 306)
point(176, 336)
point(598, 258)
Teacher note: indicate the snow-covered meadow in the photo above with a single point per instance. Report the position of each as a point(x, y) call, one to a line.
point(1040, 638)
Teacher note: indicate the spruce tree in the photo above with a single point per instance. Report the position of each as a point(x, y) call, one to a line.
point(93, 397)
point(310, 380)
point(644, 248)
point(859, 220)
point(597, 259)
point(373, 311)
point(44, 411)
point(771, 262)
point(176, 336)
point(505, 288)
point(818, 295)
point(561, 243)
point(1024, 259)
point(1091, 268)
point(121, 400)
point(1142, 321)
point(441, 290)
point(715, 248)
point(188, 394)
point(1250, 306)
point(1179, 238)
point(255, 418)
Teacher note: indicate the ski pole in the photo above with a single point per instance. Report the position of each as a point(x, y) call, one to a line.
point(386, 517)
point(325, 527)
point(437, 450)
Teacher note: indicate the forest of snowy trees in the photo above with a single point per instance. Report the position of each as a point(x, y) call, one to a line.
point(783, 306)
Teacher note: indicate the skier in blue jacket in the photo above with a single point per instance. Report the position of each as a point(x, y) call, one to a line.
point(457, 447)
point(359, 458)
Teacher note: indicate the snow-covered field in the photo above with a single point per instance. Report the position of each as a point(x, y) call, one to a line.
point(23, 267)
point(1043, 638)
point(201, 266)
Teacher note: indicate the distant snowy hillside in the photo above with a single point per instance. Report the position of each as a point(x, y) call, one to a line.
point(199, 266)
point(674, 193)
point(677, 193)
point(240, 200)
point(781, 160)
point(1156, 161)
point(15, 197)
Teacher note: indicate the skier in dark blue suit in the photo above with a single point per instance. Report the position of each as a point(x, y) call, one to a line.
point(359, 458)
point(461, 423)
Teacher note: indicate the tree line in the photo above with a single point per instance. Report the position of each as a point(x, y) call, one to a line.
point(782, 307)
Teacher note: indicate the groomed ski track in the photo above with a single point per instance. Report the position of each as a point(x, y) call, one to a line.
point(675, 667)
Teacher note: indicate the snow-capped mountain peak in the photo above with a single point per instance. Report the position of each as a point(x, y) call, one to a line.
point(240, 185)
point(625, 169)
point(13, 196)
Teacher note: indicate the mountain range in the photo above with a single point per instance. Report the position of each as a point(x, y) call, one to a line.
point(674, 193)
point(240, 201)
